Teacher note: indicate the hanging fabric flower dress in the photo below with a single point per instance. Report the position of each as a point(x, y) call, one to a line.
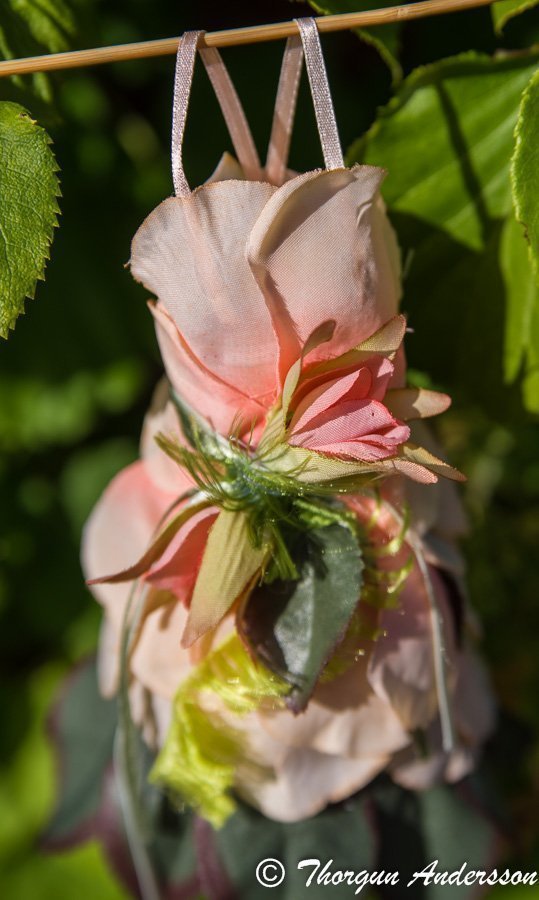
point(282, 592)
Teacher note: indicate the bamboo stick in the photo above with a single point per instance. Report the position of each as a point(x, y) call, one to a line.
point(233, 37)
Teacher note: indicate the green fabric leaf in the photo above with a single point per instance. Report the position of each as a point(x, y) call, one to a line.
point(229, 563)
point(505, 10)
point(29, 189)
point(446, 140)
point(294, 626)
point(384, 38)
point(522, 322)
point(84, 726)
point(525, 167)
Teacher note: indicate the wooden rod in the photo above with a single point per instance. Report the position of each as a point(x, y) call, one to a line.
point(233, 36)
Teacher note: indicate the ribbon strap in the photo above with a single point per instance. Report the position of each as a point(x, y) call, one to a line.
point(323, 104)
point(228, 100)
point(285, 107)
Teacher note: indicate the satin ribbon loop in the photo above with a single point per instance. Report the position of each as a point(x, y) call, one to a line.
point(229, 102)
point(323, 104)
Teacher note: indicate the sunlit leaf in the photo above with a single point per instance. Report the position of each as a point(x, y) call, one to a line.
point(29, 189)
point(446, 141)
point(522, 320)
point(525, 167)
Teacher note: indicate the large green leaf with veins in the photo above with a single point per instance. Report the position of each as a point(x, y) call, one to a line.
point(446, 140)
point(29, 189)
point(525, 167)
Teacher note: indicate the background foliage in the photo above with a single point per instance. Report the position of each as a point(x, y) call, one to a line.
point(78, 371)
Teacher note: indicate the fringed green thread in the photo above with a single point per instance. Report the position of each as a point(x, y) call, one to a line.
point(202, 752)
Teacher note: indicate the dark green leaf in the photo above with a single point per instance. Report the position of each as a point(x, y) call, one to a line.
point(84, 726)
point(294, 626)
point(341, 834)
point(29, 189)
point(448, 824)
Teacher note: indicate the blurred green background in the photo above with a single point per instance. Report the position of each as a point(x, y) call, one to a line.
point(77, 374)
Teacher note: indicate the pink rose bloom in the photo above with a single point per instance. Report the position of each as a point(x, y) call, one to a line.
point(246, 270)
point(358, 724)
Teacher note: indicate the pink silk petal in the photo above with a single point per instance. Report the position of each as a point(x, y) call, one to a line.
point(348, 420)
point(190, 252)
point(326, 395)
point(177, 569)
point(322, 244)
point(162, 417)
point(368, 449)
point(401, 668)
point(214, 399)
point(119, 530)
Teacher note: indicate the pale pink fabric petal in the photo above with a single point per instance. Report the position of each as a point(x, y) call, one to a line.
point(344, 718)
point(474, 701)
point(162, 417)
point(177, 569)
point(355, 385)
point(158, 661)
point(211, 397)
point(307, 781)
point(401, 668)
point(118, 532)
point(227, 169)
point(383, 372)
point(438, 508)
point(190, 252)
point(348, 420)
point(319, 246)
point(371, 448)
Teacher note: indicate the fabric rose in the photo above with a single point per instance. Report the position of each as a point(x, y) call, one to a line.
point(245, 271)
point(380, 713)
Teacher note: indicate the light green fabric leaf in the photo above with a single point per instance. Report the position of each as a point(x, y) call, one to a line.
point(384, 38)
point(522, 317)
point(525, 167)
point(29, 188)
point(229, 563)
point(505, 10)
